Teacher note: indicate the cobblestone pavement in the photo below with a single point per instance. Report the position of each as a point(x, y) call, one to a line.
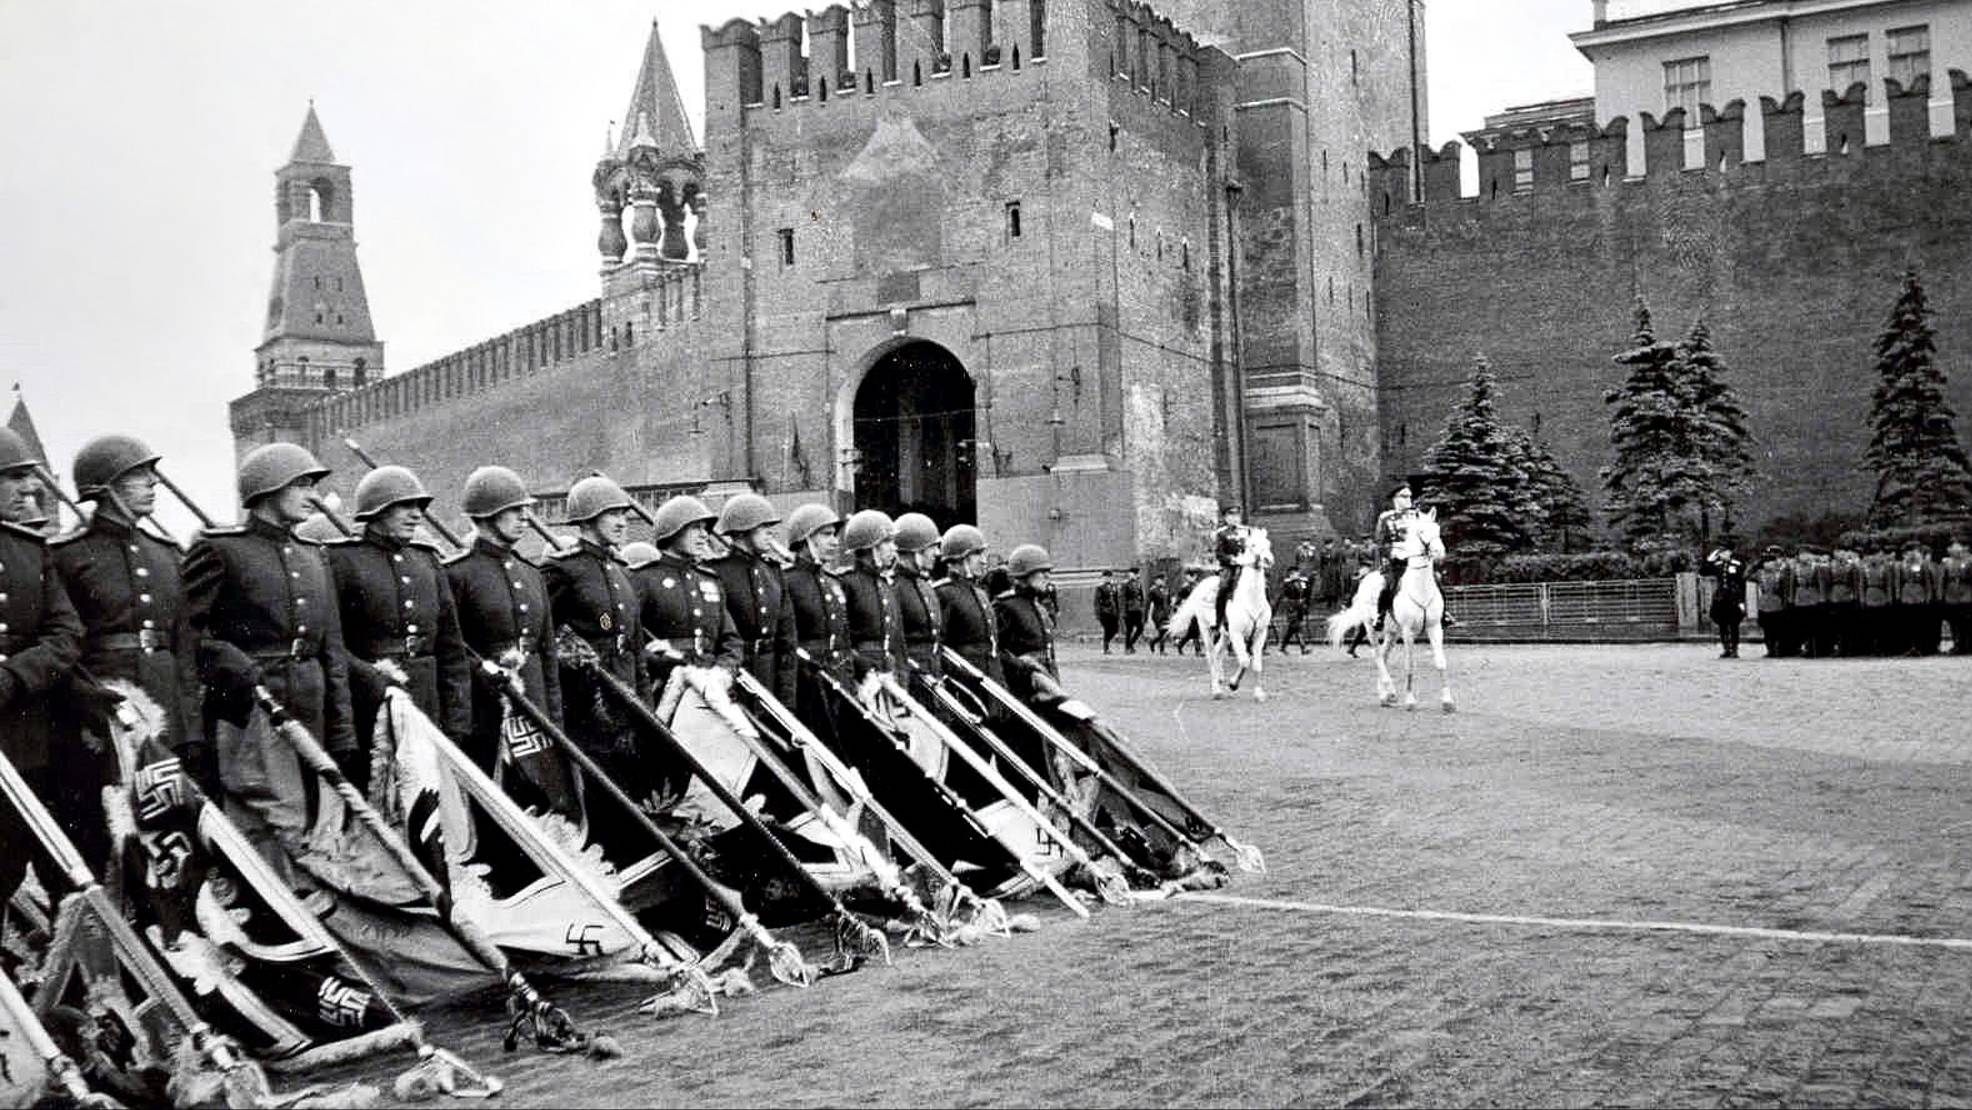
point(1614, 783)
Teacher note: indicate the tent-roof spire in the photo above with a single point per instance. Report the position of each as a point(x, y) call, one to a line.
point(312, 145)
point(655, 97)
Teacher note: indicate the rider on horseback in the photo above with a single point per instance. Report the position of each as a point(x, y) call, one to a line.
point(1391, 528)
point(1228, 544)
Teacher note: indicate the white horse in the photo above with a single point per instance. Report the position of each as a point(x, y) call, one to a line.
point(1418, 606)
point(1249, 615)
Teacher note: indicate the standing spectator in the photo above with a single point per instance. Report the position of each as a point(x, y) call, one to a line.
point(1956, 575)
point(1133, 610)
point(1330, 574)
point(1109, 608)
point(1729, 600)
point(1775, 574)
point(1159, 600)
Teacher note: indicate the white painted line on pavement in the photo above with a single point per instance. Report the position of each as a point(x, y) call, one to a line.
point(1959, 944)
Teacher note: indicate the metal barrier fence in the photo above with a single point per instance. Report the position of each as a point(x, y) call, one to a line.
point(1629, 609)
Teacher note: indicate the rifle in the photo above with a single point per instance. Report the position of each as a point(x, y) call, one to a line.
point(975, 721)
point(783, 959)
point(988, 914)
point(66, 1073)
point(945, 792)
point(550, 1025)
point(848, 926)
point(1048, 733)
point(1247, 856)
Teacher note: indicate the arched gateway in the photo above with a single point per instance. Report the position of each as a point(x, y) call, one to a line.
point(914, 434)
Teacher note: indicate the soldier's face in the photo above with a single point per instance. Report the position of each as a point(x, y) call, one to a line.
point(20, 496)
point(613, 526)
point(137, 489)
point(293, 503)
point(926, 559)
point(1038, 582)
point(823, 543)
point(1402, 501)
point(694, 542)
point(400, 522)
point(507, 525)
point(973, 565)
point(885, 554)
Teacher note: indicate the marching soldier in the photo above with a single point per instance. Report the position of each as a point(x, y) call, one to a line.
point(1728, 608)
point(1109, 608)
point(753, 580)
point(819, 609)
point(1228, 544)
point(592, 599)
point(875, 634)
point(919, 612)
point(682, 607)
point(1844, 598)
point(1956, 576)
point(503, 611)
point(1026, 626)
point(398, 620)
point(1879, 599)
point(965, 608)
point(262, 608)
point(1133, 610)
point(124, 582)
point(40, 642)
point(1775, 575)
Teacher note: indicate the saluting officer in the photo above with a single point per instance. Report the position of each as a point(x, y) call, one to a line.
point(875, 634)
point(1728, 608)
point(752, 576)
point(918, 608)
point(820, 611)
point(965, 609)
point(40, 641)
point(681, 607)
point(263, 612)
point(398, 618)
point(124, 581)
point(502, 602)
point(1026, 626)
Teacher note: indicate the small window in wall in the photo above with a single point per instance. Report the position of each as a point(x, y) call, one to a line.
point(1578, 161)
point(1848, 62)
point(1184, 253)
point(1013, 219)
point(329, 377)
point(1687, 84)
point(1523, 170)
point(318, 283)
point(787, 246)
point(1114, 129)
point(1359, 240)
point(1910, 54)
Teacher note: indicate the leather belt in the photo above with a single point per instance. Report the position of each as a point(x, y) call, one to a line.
point(145, 640)
point(524, 645)
point(296, 649)
point(417, 645)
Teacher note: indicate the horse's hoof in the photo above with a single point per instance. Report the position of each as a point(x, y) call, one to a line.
point(1218, 695)
point(1259, 695)
point(1410, 706)
point(1389, 702)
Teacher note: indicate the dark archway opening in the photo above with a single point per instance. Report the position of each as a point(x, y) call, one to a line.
point(915, 436)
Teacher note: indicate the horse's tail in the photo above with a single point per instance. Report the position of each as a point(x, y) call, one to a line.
point(1361, 611)
point(1197, 607)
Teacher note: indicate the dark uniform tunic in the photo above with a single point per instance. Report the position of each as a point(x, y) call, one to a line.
point(262, 608)
point(40, 641)
point(685, 609)
point(971, 629)
point(125, 585)
point(1956, 572)
point(755, 589)
point(396, 605)
point(820, 612)
point(1026, 640)
point(504, 618)
point(591, 595)
point(923, 622)
point(875, 632)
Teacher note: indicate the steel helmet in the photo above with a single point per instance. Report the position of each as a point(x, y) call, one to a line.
point(677, 514)
point(915, 532)
point(106, 458)
point(808, 519)
point(961, 540)
point(274, 467)
point(1028, 558)
point(593, 496)
point(14, 452)
point(867, 529)
point(386, 486)
point(744, 512)
point(491, 490)
point(638, 554)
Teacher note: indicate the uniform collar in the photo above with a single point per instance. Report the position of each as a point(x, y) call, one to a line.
point(261, 526)
point(101, 521)
point(586, 544)
point(487, 545)
point(674, 560)
point(377, 539)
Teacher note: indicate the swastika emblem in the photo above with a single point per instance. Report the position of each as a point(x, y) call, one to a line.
point(160, 788)
point(341, 1005)
point(583, 938)
point(523, 739)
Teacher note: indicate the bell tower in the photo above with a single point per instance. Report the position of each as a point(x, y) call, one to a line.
point(318, 339)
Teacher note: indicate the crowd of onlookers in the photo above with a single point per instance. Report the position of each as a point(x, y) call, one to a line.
point(1320, 579)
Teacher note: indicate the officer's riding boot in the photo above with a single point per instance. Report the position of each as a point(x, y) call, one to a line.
point(1227, 579)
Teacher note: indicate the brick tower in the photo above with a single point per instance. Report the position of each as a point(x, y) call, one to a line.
point(318, 339)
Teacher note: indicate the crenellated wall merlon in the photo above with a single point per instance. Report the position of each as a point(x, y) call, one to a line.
point(1579, 154)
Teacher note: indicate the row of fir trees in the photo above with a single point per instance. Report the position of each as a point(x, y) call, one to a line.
point(1681, 455)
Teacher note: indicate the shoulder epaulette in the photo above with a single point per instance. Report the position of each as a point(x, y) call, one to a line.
point(428, 545)
point(333, 541)
point(562, 552)
point(223, 530)
point(455, 557)
point(1003, 595)
point(938, 583)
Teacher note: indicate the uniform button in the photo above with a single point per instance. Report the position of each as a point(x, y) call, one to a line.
point(301, 630)
point(409, 604)
point(300, 601)
point(523, 606)
point(287, 550)
point(294, 574)
point(508, 565)
point(145, 598)
point(3, 626)
point(397, 558)
point(518, 586)
point(133, 547)
point(411, 629)
point(3, 597)
point(148, 623)
point(143, 573)
point(404, 578)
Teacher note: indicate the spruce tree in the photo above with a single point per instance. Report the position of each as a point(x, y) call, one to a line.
point(1921, 470)
point(1715, 422)
point(1654, 483)
point(1563, 507)
point(1474, 482)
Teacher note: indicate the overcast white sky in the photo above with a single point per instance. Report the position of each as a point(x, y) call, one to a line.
point(138, 142)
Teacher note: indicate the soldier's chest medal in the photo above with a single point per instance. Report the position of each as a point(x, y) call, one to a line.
point(605, 622)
